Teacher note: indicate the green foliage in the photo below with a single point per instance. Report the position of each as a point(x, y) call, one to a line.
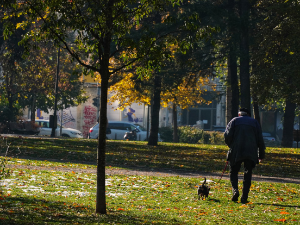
point(217, 137)
point(189, 134)
point(7, 114)
point(276, 57)
point(192, 135)
point(205, 139)
point(166, 134)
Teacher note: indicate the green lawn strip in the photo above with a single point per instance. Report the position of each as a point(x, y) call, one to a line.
point(15, 162)
point(54, 197)
point(281, 162)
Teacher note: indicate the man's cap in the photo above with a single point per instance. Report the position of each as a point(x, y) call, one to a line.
point(245, 110)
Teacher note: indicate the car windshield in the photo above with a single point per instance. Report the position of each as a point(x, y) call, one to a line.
point(140, 127)
point(45, 124)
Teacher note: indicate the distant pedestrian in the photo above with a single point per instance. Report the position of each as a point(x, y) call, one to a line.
point(243, 136)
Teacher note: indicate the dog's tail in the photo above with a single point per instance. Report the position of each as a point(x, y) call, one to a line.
point(204, 182)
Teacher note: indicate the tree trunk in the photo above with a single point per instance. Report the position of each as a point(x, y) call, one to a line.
point(256, 109)
point(175, 126)
point(288, 124)
point(32, 116)
point(100, 196)
point(232, 73)
point(104, 55)
point(9, 87)
point(244, 54)
point(153, 138)
point(232, 92)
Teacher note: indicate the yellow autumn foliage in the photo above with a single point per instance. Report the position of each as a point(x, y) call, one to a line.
point(187, 94)
point(125, 94)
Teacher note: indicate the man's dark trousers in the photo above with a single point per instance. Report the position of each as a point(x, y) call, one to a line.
point(248, 166)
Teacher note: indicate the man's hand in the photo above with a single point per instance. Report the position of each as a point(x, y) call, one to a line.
point(259, 160)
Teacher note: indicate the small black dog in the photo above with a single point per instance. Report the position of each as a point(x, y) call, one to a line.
point(203, 190)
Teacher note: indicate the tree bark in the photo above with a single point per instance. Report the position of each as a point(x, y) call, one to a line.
point(175, 126)
point(232, 92)
point(288, 124)
point(32, 116)
point(256, 109)
point(100, 195)
point(104, 55)
point(234, 88)
point(153, 138)
point(9, 88)
point(244, 54)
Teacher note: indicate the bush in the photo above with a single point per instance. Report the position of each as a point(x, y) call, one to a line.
point(217, 138)
point(205, 139)
point(166, 134)
point(7, 114)
point(190, 135)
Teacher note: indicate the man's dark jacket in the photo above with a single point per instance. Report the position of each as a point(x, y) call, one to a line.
point(243, 136)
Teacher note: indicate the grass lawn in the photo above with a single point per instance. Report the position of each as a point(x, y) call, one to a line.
point(66, 197)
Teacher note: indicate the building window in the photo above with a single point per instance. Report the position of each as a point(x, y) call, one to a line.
point(205, 113)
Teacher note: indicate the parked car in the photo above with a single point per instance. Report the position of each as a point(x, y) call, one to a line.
point(118, 130)
point(268, 137)
point(66, 132)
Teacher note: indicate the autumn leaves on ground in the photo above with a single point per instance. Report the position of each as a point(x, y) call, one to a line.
point(62, 195)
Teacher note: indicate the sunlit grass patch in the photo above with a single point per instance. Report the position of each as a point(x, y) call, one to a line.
point(39, 197)
point(49, 163)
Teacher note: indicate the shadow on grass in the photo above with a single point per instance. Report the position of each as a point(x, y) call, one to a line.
point(213, 199)
point(19, 210)
point(279, 205)
point(166, 157)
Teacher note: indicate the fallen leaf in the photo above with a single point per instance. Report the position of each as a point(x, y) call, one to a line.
point(280, 220)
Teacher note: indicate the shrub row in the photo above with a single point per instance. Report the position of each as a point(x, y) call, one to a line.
point(192, 135)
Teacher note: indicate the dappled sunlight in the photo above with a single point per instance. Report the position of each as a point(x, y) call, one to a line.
point(81, 153)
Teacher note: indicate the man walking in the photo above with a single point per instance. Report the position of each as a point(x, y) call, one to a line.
point(243, 136)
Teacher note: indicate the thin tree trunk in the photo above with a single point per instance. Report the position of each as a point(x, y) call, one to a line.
point(153, 138)
point(256, 109)
point(244, 57)
point(32, 116)
point(175, 126)
point(288, 124)
point(228, 102)
point(100, 195)
point(9, 86)
point(104, 54)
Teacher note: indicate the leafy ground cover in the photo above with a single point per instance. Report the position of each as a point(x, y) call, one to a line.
point(40, 196)
point(54, 197)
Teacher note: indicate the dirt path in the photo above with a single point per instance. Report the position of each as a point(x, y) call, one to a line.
point(159, 172)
